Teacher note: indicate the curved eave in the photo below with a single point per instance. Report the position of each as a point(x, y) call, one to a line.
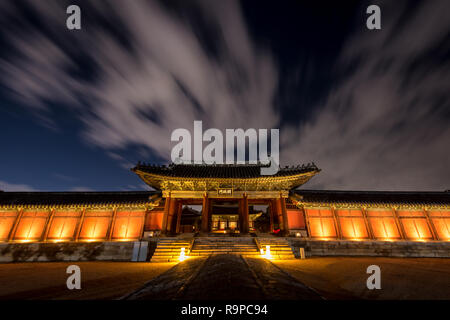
point(294, 181)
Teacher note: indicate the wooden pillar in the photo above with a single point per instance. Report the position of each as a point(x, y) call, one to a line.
point(171, 222)
point(271, 215)
point(166, 214)
point(240, 214)
point(284, 214)
point(205, 213)
point(245, 227)
point(279, 214)
point(275, 213)
point(179, 210)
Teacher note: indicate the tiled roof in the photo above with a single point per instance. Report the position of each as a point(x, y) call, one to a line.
point(374, 196)
point(221, 170)
point(76, 198)
point(322, 196)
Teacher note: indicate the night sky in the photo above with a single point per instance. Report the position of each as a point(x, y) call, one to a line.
point(78, 109)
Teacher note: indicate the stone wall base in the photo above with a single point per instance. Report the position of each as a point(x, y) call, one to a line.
point(405, 249)
point(75, 251)
point(133, 251)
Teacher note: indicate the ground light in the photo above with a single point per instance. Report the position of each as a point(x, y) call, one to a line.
point(182, 254)
point(268, 255)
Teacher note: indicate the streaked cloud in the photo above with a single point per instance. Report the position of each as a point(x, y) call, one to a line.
point(139, 70)
point(386, 124)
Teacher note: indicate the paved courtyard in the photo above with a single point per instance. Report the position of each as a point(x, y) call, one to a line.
point(231, 277)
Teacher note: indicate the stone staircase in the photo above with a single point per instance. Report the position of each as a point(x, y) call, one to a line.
point(168, 249)
point(279, 248)
point(224, 245)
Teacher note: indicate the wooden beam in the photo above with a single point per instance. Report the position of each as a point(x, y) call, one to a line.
point(205, 214)
point(179, 212)
point(166, 214)
point(367, 223)
point(337, 224)
point(284, 214)
point(431, 225)
point(16, 223)
point(245, 227)
point(112, 223)
point(399, 224)
point(271, 212)
point(79, 225)
point(48, 224)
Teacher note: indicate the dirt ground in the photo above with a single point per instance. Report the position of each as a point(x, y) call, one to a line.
point(401, 278)
point(99, 280)
point(332, 278)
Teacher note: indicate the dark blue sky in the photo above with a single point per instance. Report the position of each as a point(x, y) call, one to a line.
point(79, 108)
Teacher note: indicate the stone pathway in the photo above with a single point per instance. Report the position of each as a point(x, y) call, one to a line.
point(224, 277)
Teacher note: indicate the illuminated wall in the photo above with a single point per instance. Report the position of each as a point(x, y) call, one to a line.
point(154, 220)
point(128, 225)
point(321, 223)
point(63, 225)
point(352, 224)
point(383, 224)
point(31, 226)
point(72, 224)
point(441, 222)
point(103, 224)
point(415, 225)
point(96, 225)
point(7, 219)
point(378, 224)
point(295, 219)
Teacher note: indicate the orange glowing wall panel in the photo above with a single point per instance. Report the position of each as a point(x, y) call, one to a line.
point(31, 225)
point(95, 225)
point(441, 223)
point(383, 224)
point(352, 223)
point(154, 220)
point(128, 225)
point(295, 219)
point(64, 225)
point(321, 223)
point(7, 219)
point(415, 224)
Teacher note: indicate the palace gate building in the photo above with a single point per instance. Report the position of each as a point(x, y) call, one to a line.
point(208, 199)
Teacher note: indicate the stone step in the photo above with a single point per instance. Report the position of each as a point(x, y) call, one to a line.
point(166, 256)
point(229, 250)
point(218, 247)
point(172, 247)
point(168, 250)
point(173, 244)
point(165, 260)
point(211, 253)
